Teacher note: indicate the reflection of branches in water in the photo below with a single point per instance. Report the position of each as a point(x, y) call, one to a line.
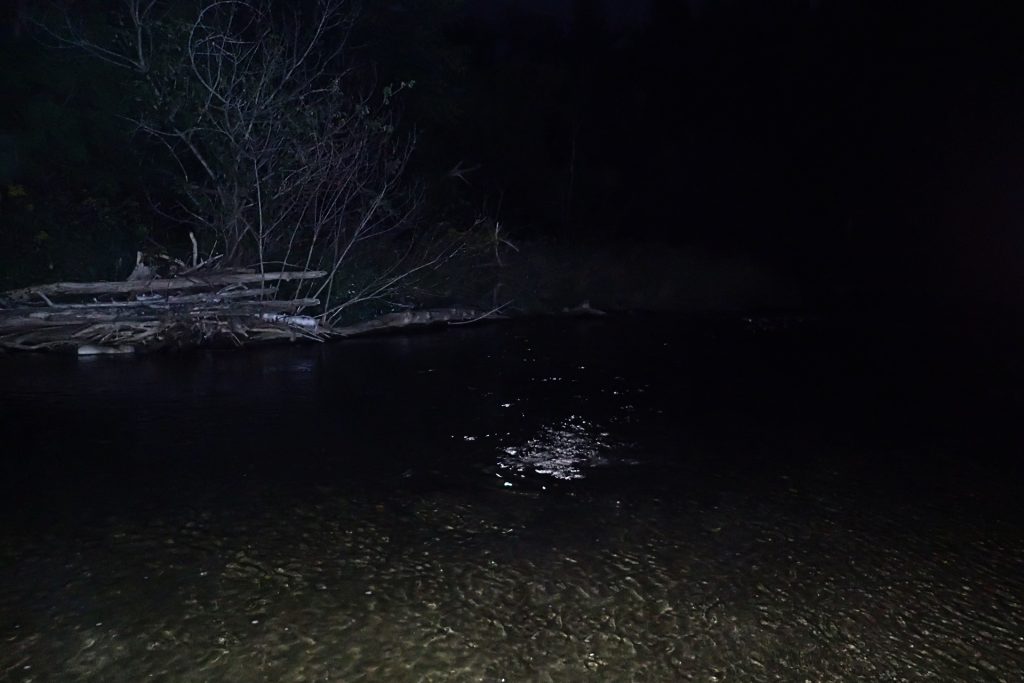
point(561, 450)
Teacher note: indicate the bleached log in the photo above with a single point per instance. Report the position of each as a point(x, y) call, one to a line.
point(96, 350)
point(21, 318)
point(161, 300)
point(173, 300)
point(148, 327)
point(305, 322)
point(156, 286)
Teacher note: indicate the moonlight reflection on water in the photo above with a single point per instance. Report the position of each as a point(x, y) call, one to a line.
point(564, 450)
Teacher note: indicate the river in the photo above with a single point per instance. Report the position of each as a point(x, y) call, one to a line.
point(623, 499)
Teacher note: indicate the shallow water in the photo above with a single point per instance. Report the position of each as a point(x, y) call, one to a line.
point(628, 499)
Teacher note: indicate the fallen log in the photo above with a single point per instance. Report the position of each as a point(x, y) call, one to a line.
point(21, 318)
point(305, 322)
point(94, 350)
point(156, 334)
point(155, 286)
point(419, 318)
point(160, 300)
point(162, 312)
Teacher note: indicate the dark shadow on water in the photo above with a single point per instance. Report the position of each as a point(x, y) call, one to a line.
point(629, 402)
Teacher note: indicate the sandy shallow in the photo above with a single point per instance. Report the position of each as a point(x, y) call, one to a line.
point(513, 586)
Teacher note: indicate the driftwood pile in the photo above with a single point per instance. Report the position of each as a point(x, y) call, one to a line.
point(108, 317)
point(213, 308)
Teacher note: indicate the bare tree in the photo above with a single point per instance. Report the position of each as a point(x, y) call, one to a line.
point(284, 154)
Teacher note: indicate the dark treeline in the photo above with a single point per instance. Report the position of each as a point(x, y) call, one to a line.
point(870, 149)
point(867, 147)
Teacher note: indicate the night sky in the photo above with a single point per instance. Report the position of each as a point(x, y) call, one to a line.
point(620, 13)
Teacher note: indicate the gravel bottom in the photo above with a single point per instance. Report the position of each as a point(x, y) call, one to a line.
point(507, 586)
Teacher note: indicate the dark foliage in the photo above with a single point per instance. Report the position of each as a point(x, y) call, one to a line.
point(866, 148)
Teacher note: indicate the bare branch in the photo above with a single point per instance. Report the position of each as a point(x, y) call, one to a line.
point(284, 152)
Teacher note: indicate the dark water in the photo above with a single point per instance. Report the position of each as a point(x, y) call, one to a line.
point(627, 499)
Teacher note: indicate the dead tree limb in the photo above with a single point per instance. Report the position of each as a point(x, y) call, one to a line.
point(420, 318)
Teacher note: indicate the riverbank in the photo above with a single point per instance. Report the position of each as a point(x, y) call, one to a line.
point(243, 308)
